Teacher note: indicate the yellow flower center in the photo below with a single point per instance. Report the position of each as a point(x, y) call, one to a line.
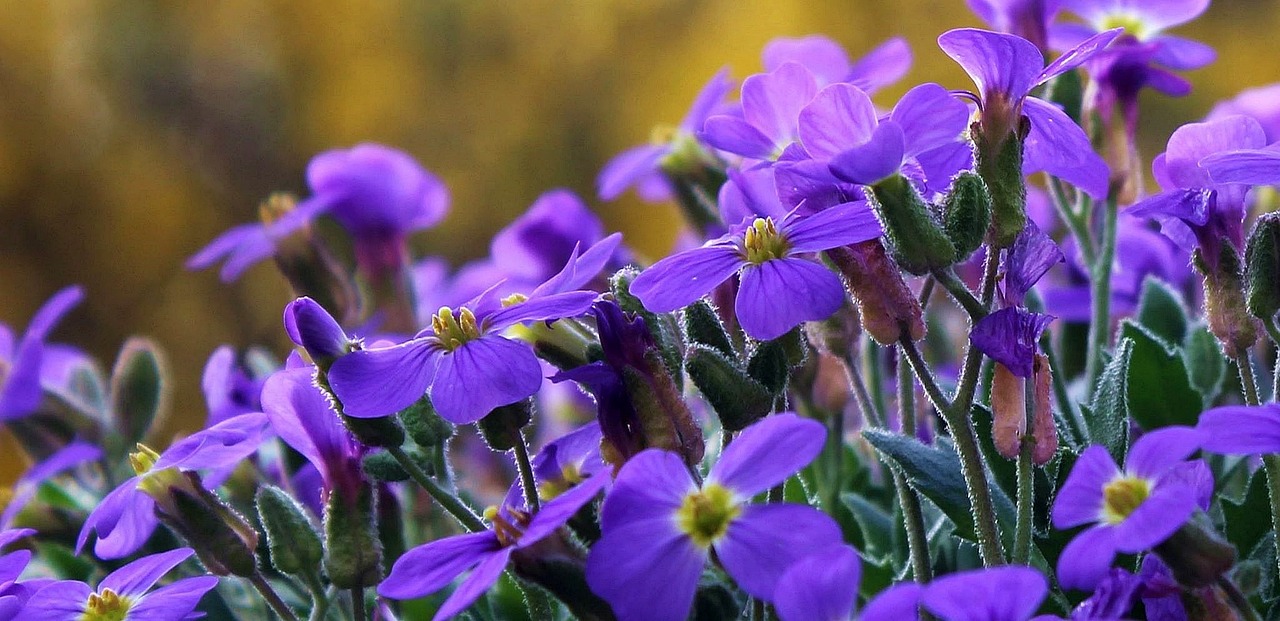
point(763, 242)
point(143, 460)
point(663, 134)
point(453, 332)
point(1122, 496)
point(106, 606)
point(276, 206)
point(1132, 24)
point(508, 533)
point(570, 475)
point(705, 514)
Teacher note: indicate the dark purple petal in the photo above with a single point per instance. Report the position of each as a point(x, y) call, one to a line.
point(1078, 55)
point(131, 528)
point(1001, 65)
point(1241, 429)
point(556, 512)
point(780, 294)
point(481, 375)
point(139, 576)
point(1032, 254)
point(707, 100)
point(1192, 206)
point(382, 381)
point(1158, 517)
point(646, 570)
point(765, 540)
point(484, 576)
point(735, 135)
point(680, 280)
point(841, 225)
point(1085, 561)
point(824, 58)
point(314, 329)
point(1011, 337)
point(1156, 452)
point(840, 116)
point(649, 488)
point(995, 594)
point(872, 161)
point(20, 387)
point(749, 194)
point(882, 66)
point(900, 601)
point(1058, 146)
point(768, 452)
point(303, 418)
point(1183, 54)
point(931, 117)
point(432, 566)
point(627, 168)
point(820, 587)
point(1080, 499)
point(771, 102)
point(1253, 167)
point(174, 601)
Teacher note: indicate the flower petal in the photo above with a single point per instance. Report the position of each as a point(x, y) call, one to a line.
point(484, 576)
point(771, 102)
point(820, 587)
point(900, 601)
point(765, 540)
point(1241, 429)
point(138, 577)
point(839, 117)
point(432, 566)
point(555, 513)
point(931, 117)
point(1000, 64)
point(873, 160)
point(481, 375)
point(63, 600)
point(384, 380)
point(1078, 55)
point(1085, 561)
point(840, 225)
point(707, 101)
point(996, 594)
point(1191, 206)
point(627, 168)
point(735, 135)
point(820, 55)
point(174, 601)
point(1254, 167)
point(1156, 452)
point(647, 571)
point(780, 294)
point(1183, 54)
point(768, 452)
point(1080, 499)
point(1059, 147)
point(649, 487)
point(882, 66)
point(680, 280)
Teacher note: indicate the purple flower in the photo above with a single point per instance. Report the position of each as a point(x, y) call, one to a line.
point(823, 587)
point(829, 63)
point(125, 518)
point(124, 595)
point(27, 366)
point(1241, 429)
point(64, 459)
point(14, 592)
point(302, 417)
point(1144, 21)
point(780, 288)
point(642, 166)
point(1032, 254)
point(312, 328)
point(1129, 510)
point(660, 526)
point(1006, 68)
point(996, 594)
point(462, 360)
point(432, 566)
point(230, 387)
point(378, 194)
point(1011, 337)
point(1194, 207)
point(1028, 19)
point(568, 460)
point(771, 104)
point(1261, 103)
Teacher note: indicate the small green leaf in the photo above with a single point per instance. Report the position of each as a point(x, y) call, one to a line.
point(1160, 310)
point(1249, 520)
point(1206, 366)
point(1159, 390)
point(138, 389)
point(876, 526)
point(1107, 418)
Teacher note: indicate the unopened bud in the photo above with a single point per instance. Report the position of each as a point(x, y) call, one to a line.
point(1009, 412)
point(311, 327)
point(222, 539)
point(353, 550)
point(381, 466)
point(294, 544)
point(967, 210)
point(918, 241)
point(424, 425)
point(889, 310)
point(501, 427)
point(138, 389)
point(1262, 267)
point(1224, 301)
point(737, 399)
point(703, 326)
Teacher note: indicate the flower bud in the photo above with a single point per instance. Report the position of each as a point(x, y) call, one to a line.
point(1224, 301)
point(1262, 267)
point(294, 544)
point(381, 466)
point(308, 264)
point(313, 329)
point(737, 399)
point(424, 425)
point(889, 309)
point(703, 326)
point(918, 242)
point(1009, 412)
point(696, 175)
point(138, 390)
point(998, 160)
point(772, 361)
point(353, 550)
point(661, 328)
point(222, 539)
point(967, 209)
point(501, 427)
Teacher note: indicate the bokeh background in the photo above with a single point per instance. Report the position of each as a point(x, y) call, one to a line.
point(132, 132)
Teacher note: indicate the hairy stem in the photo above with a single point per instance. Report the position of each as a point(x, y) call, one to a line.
point(1100, 291)
point(272, 598)
point(447, 501)
point(913, 517)
point(1021, 554)
point(525, 467)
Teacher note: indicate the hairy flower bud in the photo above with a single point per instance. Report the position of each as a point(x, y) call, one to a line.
point(1224, 301)
point(353, 550)
point(918, 241)
point(1262, 267)
point(424, 425)
point(222, 539)
point(998, 159)
point(967, 213)
point(501, 427)
point(737, 399)
point(1197, 556)
point(294, 544)
point(889, 309)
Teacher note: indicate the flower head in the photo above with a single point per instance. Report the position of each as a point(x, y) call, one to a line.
point(995, 594)
point(302, 417)
point(125, 594)
point(31, 364)
point(660, 526)
point(1011, 337)
point(231, 386)
point(829, 63)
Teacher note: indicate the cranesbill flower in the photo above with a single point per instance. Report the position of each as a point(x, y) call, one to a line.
point(302, 417)
point(780, 288)
point(1006, 68)
point(1129, 510)
point(995, 594)
point(660, 526)
point(1011, 337)
point(124, 594)
point(829, 63)
point(377, 193)
point(823, 587)
point(126, 517)
point(64, 459)
point(24, 365)
point(462, 360)
point(432, 566)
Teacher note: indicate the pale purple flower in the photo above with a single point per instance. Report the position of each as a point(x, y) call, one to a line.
point(829, 63)
point(1241, 429)
point(995, 594)
point(1262, 103)
point(124, 594)
point(771, 104)
point(1029, 19)
point(231, 387)
point(660, 526)
point(29, 365)
point(24, 490)
point(1143, 20)
point(823, 587)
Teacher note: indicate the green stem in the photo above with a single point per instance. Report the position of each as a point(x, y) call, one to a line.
point(1270, 463)
point(1100, 291)
point(1274, 332)
point(925, 374)
point(835, 459)
point(447, 501)
point(272, 598)
point(357, 604)
point(913, 516)
point(1075, 219)
point(1238, 600)
point(1026, 483)
point(861, 395)
point(960, 293)
point(525, 467)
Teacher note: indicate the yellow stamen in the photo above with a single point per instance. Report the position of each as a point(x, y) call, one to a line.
point(1122, 496)
point(705, 514)
point(763, 242)
point(143, 460)
point(106, 606)
point(1132, 24)
point(453, 332)
point(570, 475)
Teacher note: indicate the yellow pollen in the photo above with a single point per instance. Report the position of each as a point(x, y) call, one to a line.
point(513, 299)
point(276, 206)
point(143, 460)
point(507, 531)
point(106, 606)
point(570, 475)
point(453, 332)
point(1122, 496)
point(663, 134)
point(763, 242)
point(705, 514)
point(1132, 24)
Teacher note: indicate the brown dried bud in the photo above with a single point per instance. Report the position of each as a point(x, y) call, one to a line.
point(888, 307)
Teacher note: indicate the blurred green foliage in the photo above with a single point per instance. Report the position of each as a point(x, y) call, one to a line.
point(132, 132)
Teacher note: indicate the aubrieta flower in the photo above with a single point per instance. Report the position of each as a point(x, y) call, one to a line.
point(1011, 337)
point(231, 387)
point(823, 587)
point(14, 592)
point(568, 460)
point(25, 364)
point(124, 594)
point(62, 460)
point(780, 286)
point(432, 566)
point(1129, 510)
point(1029, 19)
point(642, 166)
point(771, 104)
point(1241, 429)
point(462, 360)
point(660, 526)
point(126, 517)
point(1006, 68)
point(829, 63)
point(1144, 20)
point(377, 193)
point(995, 594)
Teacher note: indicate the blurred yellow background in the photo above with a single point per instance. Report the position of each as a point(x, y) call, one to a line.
point(132, 132)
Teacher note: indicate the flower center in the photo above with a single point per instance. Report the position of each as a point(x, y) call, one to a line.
point(507, 531)
point(1132, 24)
point(276, 206)
point(1122, 496)
point(143, 460)
point(705, 515)
point(453, 332)
point(570, 475)
point(763, 242)
point(106, 606)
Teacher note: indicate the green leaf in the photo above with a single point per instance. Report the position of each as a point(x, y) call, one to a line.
point(1249, 520)
point(138, 389)
point(934, 472)
point(876, 526)
point(1159, 389)
point(1206, 366)
point(1160, 310)
point(1107, 418)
